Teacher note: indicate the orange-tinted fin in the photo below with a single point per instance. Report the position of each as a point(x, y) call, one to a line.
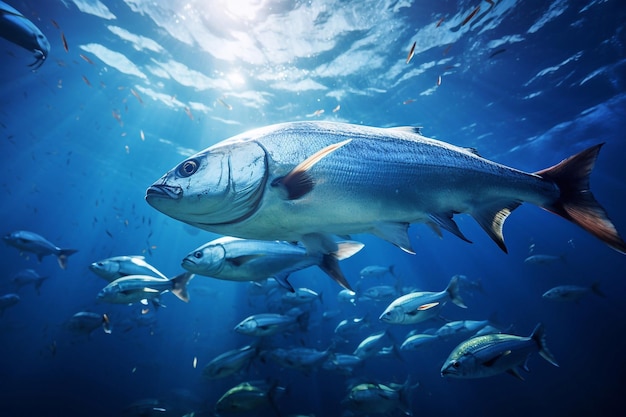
point(298, 182)
point(576, 202)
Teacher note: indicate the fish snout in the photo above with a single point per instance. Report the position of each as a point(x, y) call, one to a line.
point(172, 192)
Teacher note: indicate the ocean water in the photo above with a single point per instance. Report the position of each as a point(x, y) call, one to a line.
point(144, 84)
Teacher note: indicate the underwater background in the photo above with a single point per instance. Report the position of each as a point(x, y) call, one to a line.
point(141, 85)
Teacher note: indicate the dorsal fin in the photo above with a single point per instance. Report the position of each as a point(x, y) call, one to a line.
point(409, 129)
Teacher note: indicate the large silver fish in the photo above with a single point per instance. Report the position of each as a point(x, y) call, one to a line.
point(16, 28)
point(305, 181)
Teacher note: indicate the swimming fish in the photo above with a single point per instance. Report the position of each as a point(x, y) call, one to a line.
point(87, 322)
point(86, 59)
point(469, 17)
point(307, 181)
point(32, 242)
point(67, 49)
point(411, 52)
point(236, 259)
point(8, 300)
point(135, 288)
point(121, 266)
point(572, 292)
point(492, 354)
point(17, 29)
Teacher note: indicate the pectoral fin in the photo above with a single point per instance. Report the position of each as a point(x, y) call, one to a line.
point(298, 182)
point(445, 221)
point(241, 260)
point(427, 306)
point(396, 233)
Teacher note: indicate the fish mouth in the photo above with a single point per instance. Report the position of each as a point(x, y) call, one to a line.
point(164, 191)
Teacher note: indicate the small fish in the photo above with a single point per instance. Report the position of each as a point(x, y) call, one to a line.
point(8, 300)
point(109, 233)
point(141, 134)
point(86, 81)
point(120, 266)
point(572, 292)
point(379, 399)
point(28, 277)
point(336, 109)
point(411, 52)
point(469, 17)
point(409, 101)
point(223, 103)
point(440, 22)
point(55, 24)
point(438, 80)
point(195, 362)
point(267, 324)
point(86, 58)
point(87, 322)
point(117, 116)
point(67, 49)
point(31, 242)
point(316, 113)
point(136, 288)
point(497, 52)
point(420, 306)
point(127, 148)
point(542, 259)
point(445, 51)
point(230, 362)
point(188, 111)
point(377, 271)
point(133, 92)
point(247, 397)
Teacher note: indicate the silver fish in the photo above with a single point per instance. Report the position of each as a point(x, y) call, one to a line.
point(307, 181)
point(15, 28)
point(122, 266)
point(32, 242)
point(370, 398)
point(377, 271)
point(300, 358)
point(249, 396)
point(488, 355)
point(135, 288)
point(542, 259)
point(236, 259)
point(8, 300)
point(416, 307)
point(27, 277)
point(87, 322)
point(267, 324)
point(230, 362)
point(572, 292)
point(414, 342)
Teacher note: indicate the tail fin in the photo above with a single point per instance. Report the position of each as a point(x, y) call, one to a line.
point(63, 255)
point(539, 336)
point(576, 202)
point(453, 291)
point(179, 285)
point(595, 288)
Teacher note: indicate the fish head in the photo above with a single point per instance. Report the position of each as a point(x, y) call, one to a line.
point(112, 293)
point(247, 326)
point(206, 260)
point(460, 366)
point(392, 314)
point(105, 268)
point(222, 185)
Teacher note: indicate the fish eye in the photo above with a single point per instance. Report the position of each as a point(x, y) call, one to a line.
point(456, 364)
point(188, 168)
point(197, 254)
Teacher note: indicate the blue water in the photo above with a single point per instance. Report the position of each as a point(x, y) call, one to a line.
point(203, 71)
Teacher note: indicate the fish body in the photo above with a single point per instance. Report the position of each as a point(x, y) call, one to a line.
point(301, 358)
point(346, 296)
point(301, 296)
point(135, 288)
point(121, 266)
point(488, 355)
point(236, 259)
point(306, 181)
point(379, 293)
point(347, 327)
point(17, 29)
point(87, 322)
point(230, 362)
point(542, 259)
point(8, 300)
point(28, 277)
point(572, 292)
point(416, 307)
point(248, 396)
point(371, 398)
point(372, 344)
point(342, 362)
point(267, 324)
point(376, 271)
point(414, 342)
point(32, 242)
point(460, 327)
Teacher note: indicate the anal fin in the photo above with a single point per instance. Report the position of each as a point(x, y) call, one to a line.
point(396, 233)
point(491, 219)
point(446, 221)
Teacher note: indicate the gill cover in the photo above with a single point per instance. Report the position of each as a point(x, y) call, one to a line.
point(223, 184)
